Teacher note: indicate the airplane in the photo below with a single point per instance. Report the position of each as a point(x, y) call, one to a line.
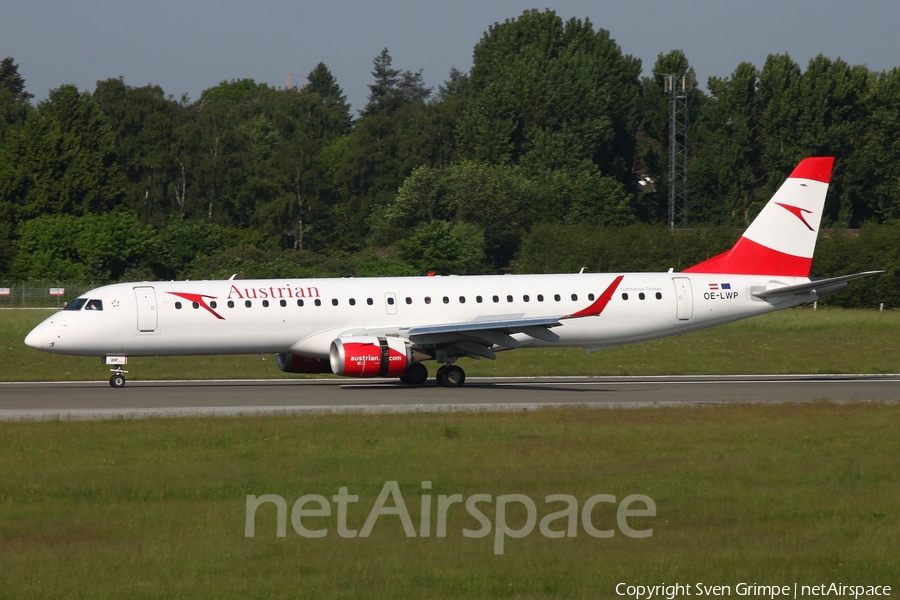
point(388, 326)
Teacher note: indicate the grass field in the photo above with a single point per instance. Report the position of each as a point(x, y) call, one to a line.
point(156, 508)
point(792, 341)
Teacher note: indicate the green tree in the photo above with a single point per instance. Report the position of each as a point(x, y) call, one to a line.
point(724, 166)
point(63, 161)
point(398, 132)
point(14, 100)
point(182, 243)
point(393, 88)
point(880, 148)
point(90, 247)
point(12, 81)
point(320, 81)
point(143, 120)
point(444, 248)
point(497, 199)
point(548, 95)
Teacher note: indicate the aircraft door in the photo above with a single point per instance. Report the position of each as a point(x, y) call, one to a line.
point(684, 298)
point(390, 303)
point(146, 308)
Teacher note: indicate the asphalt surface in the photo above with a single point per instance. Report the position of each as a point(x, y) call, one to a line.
point(97, 400)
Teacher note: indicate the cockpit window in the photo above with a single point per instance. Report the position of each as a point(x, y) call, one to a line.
point(75, 304)
point(93, 304)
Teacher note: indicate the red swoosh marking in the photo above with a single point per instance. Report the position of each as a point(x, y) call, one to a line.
point(797, 212)
point(199, 299)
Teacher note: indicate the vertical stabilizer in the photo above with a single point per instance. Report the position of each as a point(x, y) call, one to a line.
point(782, 238)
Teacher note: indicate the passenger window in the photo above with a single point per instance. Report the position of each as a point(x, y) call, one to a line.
point(556, 297)
point(231, 304)
point(624, 295)
point(641, 296)
point(408, 300)
point(446, 300)
point(318, 302)
point(462, 299)
point(299, 302)
point(352, 302)
point(369, 301)
point(265, 304)
point(574, 297)
point(283, 303)
point(76, 304)
point(177, 306)
point(94, 305)
point(213, 304)
point(525, 298)
point(496, 298)
point(334, 301)
point(658, 296)
point(390, 301)
point(591, 297)
point(195, 304)
point(509, 298)
point(540, 297)
point(478, 299)
point(247, 303)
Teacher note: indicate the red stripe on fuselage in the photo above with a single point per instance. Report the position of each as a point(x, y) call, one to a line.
point(749, 258)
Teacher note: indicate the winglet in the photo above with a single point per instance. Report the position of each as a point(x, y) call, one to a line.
point(600, 303)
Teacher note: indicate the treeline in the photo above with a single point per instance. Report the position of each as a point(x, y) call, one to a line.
point(549, 141)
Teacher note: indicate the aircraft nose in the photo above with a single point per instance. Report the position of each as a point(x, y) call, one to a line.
point(35, 339)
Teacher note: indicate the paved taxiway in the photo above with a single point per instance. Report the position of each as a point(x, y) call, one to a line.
point(97, 400)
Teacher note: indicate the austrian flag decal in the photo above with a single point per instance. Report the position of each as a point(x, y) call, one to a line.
point(720, 286)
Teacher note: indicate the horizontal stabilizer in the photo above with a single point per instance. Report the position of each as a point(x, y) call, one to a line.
point(812, 285)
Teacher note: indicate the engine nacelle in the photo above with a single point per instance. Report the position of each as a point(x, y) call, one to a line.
point(294, 363)
point(364, 356)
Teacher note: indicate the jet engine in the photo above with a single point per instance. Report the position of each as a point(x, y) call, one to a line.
point(360, 356)
point(293, 363)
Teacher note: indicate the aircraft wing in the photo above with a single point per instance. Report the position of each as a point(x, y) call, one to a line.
point(826, 285)
point(482, 335)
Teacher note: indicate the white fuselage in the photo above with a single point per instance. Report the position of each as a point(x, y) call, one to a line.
point(264, 316)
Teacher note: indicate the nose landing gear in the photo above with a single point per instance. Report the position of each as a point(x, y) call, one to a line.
point(118, 372)
point(118, 378)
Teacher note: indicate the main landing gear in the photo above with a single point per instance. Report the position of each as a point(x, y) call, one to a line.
point(417, 374)
point(118, 378)
point(446, 376)
point(450, 376)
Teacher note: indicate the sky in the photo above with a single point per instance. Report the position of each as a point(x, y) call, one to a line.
point(186, 46)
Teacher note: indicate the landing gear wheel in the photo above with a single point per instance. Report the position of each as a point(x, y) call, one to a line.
point(415, 375)
point(451, 376)
point(117, 380)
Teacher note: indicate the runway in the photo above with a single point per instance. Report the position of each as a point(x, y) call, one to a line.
point(141, 399)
